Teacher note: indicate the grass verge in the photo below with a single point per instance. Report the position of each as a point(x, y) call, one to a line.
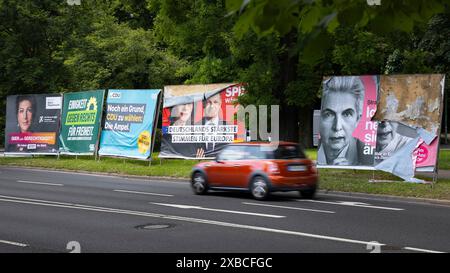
point(330, 179)
point(168, 168)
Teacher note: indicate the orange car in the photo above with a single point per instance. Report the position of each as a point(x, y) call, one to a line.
point(259, 167)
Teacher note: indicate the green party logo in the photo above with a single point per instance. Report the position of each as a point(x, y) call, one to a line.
point(83, 117)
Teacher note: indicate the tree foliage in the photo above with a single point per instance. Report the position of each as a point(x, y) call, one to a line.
point(318, 19)
point(282, 48)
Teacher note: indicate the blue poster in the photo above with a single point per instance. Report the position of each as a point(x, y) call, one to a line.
point(131, 117)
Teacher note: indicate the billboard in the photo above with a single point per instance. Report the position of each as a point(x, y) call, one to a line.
point(129, 127)
point(387, 122)
point(347, 134)
point(32, 123)
point(80, 122)
point(199, 120)
point(415, 101)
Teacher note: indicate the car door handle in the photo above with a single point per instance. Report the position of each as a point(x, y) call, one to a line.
point(236, 165)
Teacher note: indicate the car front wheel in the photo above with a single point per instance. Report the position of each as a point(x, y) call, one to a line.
point(199, 184)
point(259, 188)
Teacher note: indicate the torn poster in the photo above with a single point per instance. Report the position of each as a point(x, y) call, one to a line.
point(415, 101)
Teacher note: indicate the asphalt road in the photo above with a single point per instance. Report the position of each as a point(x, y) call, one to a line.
point(50, 211)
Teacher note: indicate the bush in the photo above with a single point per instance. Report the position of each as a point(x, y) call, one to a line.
point(158, 136)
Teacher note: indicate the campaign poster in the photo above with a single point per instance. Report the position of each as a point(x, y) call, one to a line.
point(129, 127)
point(80, 122)
point(199, 120)
point(347, 134)
point(385, 122)
point(408, 103)
point(32, 123)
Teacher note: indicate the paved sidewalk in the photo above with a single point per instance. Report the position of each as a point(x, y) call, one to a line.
point(442, 174)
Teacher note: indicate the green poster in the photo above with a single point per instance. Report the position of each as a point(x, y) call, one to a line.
point(80, 122)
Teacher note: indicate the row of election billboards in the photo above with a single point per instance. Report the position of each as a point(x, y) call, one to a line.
point(195, 122)
point(385, 122)
point(71, 123)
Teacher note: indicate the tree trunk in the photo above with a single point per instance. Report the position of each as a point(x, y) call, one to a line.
point(289, 123)
point(288, 68)
point(305, 132)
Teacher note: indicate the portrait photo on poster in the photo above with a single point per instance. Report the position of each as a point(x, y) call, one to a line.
point(181, 115)
point(26, 113)
point(213, 116)
point(199, 124)
point(32, 123)
point(341, 110)
point(391, 137)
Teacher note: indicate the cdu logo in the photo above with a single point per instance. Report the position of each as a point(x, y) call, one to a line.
point(115, 95)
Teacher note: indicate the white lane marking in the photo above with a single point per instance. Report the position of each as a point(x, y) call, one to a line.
point(13, 199)
point(351, 204)
point(147, 193)
point(185, 219)
point(29, 199)
point(218, 210)
point(38, 183)
point(284, 207)
point(422, 250)
point(13, 243)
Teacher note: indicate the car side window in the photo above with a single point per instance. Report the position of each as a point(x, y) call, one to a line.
point(255, 152)
point(232, 153)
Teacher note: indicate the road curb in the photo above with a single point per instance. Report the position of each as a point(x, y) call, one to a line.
point(385, 197)
point(140, 177)
point(372, 196)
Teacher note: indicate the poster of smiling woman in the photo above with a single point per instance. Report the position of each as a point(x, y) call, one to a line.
point(32, 123)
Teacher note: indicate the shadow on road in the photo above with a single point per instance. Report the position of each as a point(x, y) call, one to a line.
point(276, 196)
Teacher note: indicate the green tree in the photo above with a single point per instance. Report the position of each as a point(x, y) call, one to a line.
point(327, 38)
point(282, 48)
point(114, 55)
point(31, 33)
point(197, 32)
point(318, 19)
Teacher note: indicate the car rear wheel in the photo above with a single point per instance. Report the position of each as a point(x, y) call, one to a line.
point(199, 184)
point(259, 188)
point(309, 193)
